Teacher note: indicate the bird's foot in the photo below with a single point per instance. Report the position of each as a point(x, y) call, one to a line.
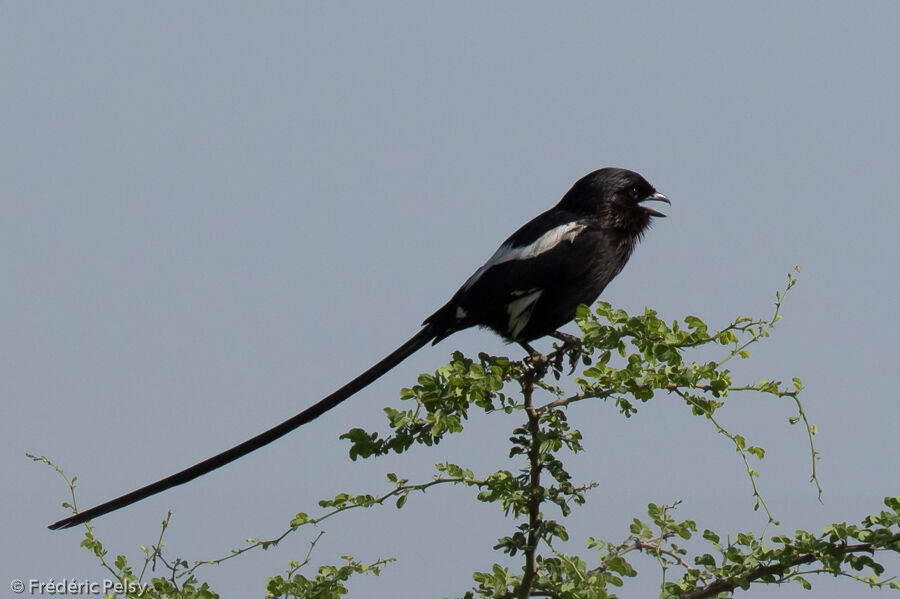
point(570, 346)
point(535, 360)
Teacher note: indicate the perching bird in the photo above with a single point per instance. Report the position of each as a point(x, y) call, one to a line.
point(531, 286)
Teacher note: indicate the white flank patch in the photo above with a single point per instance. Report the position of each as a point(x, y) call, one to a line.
point(544, 243)
point(520, 309)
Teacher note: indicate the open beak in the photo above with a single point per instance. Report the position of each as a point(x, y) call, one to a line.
point(656, 197)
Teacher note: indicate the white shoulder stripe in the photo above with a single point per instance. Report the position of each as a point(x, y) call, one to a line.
point(544, 243)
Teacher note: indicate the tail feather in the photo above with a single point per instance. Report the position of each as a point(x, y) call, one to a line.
point(276, 432)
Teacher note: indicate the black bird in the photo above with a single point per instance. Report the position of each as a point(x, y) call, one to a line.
point(530, 287)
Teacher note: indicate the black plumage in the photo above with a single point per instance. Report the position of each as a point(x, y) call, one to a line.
point(531, 286)
point(560, 259)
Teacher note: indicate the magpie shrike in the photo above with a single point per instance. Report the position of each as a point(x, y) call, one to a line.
point(530, 286)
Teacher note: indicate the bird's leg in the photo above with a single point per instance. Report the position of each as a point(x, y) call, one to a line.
point(571, 346)
point(566, 338)
point(533, 354)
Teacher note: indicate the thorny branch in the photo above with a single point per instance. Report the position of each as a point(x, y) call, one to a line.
point(536, 495)
point(783, 569)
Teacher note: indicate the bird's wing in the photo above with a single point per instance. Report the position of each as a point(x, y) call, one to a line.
point(546, 253)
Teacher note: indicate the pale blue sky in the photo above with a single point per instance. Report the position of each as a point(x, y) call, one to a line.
point(215, 214)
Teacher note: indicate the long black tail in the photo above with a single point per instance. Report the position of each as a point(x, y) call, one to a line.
point(238, 451)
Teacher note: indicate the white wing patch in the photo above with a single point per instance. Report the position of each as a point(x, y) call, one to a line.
point(544, 243)
point(520, 310)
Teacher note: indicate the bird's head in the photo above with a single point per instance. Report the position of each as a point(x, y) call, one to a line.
point(616, 196)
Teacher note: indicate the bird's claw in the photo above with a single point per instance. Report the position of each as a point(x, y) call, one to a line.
point(571, 347)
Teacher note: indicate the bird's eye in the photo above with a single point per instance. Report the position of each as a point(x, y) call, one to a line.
point(633, 192)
